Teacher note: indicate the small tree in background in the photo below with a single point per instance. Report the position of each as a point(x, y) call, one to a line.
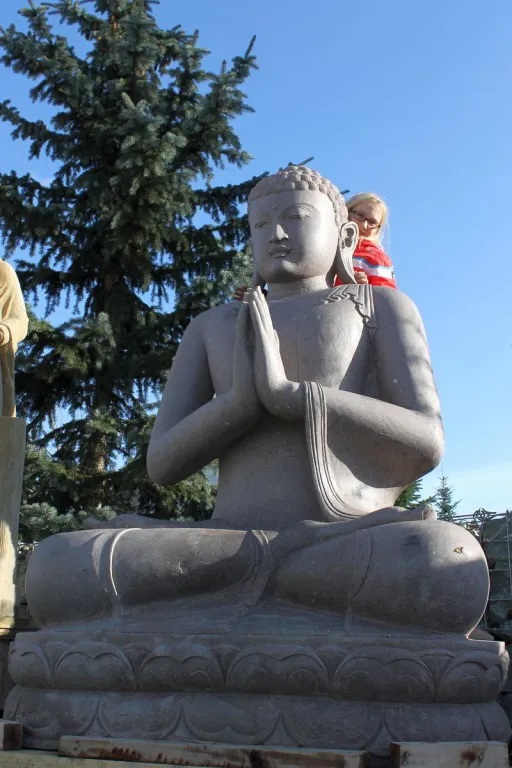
point(412, 496)
point(131, 234)
point(444, 501)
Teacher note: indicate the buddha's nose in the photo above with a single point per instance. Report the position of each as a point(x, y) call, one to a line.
point(279, 233)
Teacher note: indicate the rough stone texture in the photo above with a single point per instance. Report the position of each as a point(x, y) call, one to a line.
point(308, 611)
point(252, 719)
point(363, 666)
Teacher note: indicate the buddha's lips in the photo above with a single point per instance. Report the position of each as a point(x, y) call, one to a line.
point(279, 250)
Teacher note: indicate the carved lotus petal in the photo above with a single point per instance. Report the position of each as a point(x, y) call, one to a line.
point(123, 716)
point(183, 668)
point(53, 651)
point(94, 666)
point(471, 680)
point(434, 723)
point(136, 655)
point(278, 671)
point(315, 721)
point(437, 661)
point(231, 719)
point(46, 716)
point(495, 722)
point(29, 666)
point(388, 675)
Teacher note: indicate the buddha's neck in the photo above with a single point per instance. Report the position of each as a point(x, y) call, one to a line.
point(297, 288)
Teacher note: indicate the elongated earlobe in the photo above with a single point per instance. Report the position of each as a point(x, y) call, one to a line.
point(347, 242)
point(349, 234)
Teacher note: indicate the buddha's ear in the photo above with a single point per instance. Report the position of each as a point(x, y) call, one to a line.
point(347, 242)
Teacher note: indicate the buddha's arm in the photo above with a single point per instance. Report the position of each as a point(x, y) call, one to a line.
point(403, 426)
point(405, 422)
point(191, 428)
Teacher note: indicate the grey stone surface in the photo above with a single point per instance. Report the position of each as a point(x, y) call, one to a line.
point(306, 721)
point(309, 610)
point(366, 664)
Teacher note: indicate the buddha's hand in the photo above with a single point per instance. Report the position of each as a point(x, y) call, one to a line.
point(280, 396)
point(244, 388)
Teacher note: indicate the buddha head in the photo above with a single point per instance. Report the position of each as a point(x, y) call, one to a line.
point(300, 228)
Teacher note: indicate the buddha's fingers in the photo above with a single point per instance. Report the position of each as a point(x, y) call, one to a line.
point(261, 333)
point(263, 313)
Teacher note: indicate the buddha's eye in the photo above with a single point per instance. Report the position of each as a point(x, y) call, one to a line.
point(298, 215)
point(259, 224)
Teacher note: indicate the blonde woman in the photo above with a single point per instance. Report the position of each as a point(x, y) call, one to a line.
point(371, 263)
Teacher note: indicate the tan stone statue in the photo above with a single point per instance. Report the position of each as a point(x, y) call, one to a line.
point(13, 329)
point(310, 610)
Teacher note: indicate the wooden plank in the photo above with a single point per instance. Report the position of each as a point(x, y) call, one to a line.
point(209, 754)
point(456, 754)
point(11, 735)
point(36, 758)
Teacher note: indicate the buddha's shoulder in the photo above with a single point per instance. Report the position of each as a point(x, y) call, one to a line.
point(390, 300)
point(216, 316)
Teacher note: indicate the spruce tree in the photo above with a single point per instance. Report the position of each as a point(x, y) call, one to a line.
point(132, 234)
point(444, 500)
point(412, 496)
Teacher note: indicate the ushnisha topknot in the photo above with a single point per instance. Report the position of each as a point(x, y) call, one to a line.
point(301, 177)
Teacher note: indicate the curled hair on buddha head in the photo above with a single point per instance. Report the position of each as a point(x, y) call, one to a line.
point(300, 177)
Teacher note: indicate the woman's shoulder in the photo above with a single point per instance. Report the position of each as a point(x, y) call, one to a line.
point(372, 251)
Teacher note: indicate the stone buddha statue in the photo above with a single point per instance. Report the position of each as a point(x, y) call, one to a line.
point(309, 610)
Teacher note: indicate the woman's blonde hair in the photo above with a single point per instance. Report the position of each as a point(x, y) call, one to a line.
point(370, 197)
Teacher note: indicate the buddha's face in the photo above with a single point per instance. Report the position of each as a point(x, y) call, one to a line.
point(294, 235)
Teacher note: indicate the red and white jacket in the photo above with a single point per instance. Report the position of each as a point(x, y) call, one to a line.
point(370, 258)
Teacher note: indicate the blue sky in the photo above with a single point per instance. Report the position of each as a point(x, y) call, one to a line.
point(413, 101)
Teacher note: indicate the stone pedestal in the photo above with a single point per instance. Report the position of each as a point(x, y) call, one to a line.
point(12, 459)
point(269, 675)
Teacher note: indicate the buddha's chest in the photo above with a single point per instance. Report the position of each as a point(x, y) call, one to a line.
point(319, 341)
